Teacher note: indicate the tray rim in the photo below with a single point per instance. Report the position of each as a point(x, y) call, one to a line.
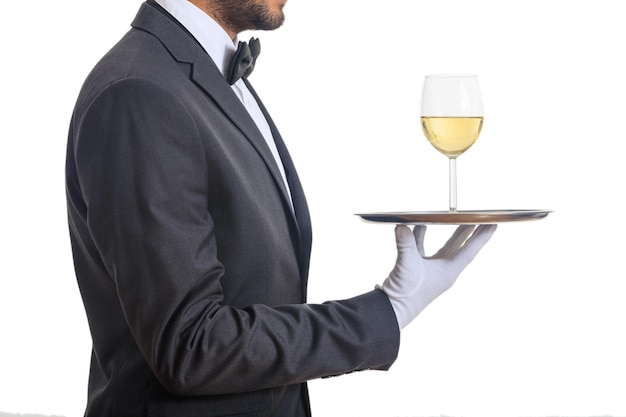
point(459, 217)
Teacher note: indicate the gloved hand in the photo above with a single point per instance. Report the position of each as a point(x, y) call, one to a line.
point(416, 280)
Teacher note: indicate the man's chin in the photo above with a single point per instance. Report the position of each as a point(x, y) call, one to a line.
point(274, 23)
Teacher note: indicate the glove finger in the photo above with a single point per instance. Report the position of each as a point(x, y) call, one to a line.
point(404, 238)
point(474, 243)
point(455, 242)
point(419, 231)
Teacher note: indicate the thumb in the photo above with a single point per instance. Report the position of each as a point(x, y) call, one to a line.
point(404, 239)
point(407, 250)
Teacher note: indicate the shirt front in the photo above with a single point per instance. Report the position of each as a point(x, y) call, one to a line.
point(221, 48)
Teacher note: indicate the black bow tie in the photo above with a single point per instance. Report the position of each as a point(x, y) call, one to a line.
point(242, 62)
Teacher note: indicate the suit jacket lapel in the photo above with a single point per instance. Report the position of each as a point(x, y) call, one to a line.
point(297, 195)
point(185, 49)
point(154, 19)
point(208, 77)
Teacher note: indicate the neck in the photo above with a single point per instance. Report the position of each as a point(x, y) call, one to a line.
point(208, 7)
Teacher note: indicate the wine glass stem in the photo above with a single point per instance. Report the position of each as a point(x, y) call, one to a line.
point(452, 166)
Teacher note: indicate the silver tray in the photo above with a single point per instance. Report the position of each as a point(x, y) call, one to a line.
point(458, 217)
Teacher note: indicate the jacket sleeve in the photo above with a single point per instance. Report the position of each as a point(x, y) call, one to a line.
point(141, 170)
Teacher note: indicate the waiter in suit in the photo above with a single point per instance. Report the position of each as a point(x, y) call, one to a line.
point(191, 235)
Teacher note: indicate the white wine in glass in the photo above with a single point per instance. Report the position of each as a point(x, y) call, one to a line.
point(452, 118)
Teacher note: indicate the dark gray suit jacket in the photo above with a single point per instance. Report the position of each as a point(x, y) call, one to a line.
point(191, 264)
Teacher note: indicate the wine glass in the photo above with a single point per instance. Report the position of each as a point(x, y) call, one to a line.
point(452, 117)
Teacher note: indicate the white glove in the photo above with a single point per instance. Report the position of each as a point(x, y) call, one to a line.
point(416, 280)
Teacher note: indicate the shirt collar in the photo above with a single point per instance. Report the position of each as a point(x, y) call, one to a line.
point(207, 31)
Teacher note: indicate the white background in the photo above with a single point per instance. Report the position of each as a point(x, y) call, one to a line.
point(534, 327)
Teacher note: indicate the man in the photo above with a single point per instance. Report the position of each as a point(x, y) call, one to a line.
point(191, 234)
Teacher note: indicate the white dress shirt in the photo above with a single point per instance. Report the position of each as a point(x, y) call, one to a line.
point(221, 48)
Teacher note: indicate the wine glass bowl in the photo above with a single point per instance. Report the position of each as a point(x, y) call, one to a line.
point(452, 118)
point(452, 135)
